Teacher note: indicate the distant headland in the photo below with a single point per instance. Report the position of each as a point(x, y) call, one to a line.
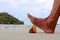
point(6, 18)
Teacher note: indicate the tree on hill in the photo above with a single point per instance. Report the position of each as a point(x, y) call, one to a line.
point(6, 18)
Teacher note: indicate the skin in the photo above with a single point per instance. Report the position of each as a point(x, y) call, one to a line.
point(48, 24)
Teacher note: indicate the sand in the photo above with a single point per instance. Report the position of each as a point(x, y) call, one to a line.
point(21, 33)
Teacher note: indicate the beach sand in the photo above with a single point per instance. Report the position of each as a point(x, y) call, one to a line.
point(21, 33)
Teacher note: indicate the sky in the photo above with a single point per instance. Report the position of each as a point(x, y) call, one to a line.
point(20, 8)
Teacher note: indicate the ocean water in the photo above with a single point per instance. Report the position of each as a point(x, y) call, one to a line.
point(58, 25)
point(17, 25)
point(13, 25)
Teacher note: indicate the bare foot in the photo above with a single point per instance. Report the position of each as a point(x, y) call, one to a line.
point(42, 24)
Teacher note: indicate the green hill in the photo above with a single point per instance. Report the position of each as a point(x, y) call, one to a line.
point(6, 18)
